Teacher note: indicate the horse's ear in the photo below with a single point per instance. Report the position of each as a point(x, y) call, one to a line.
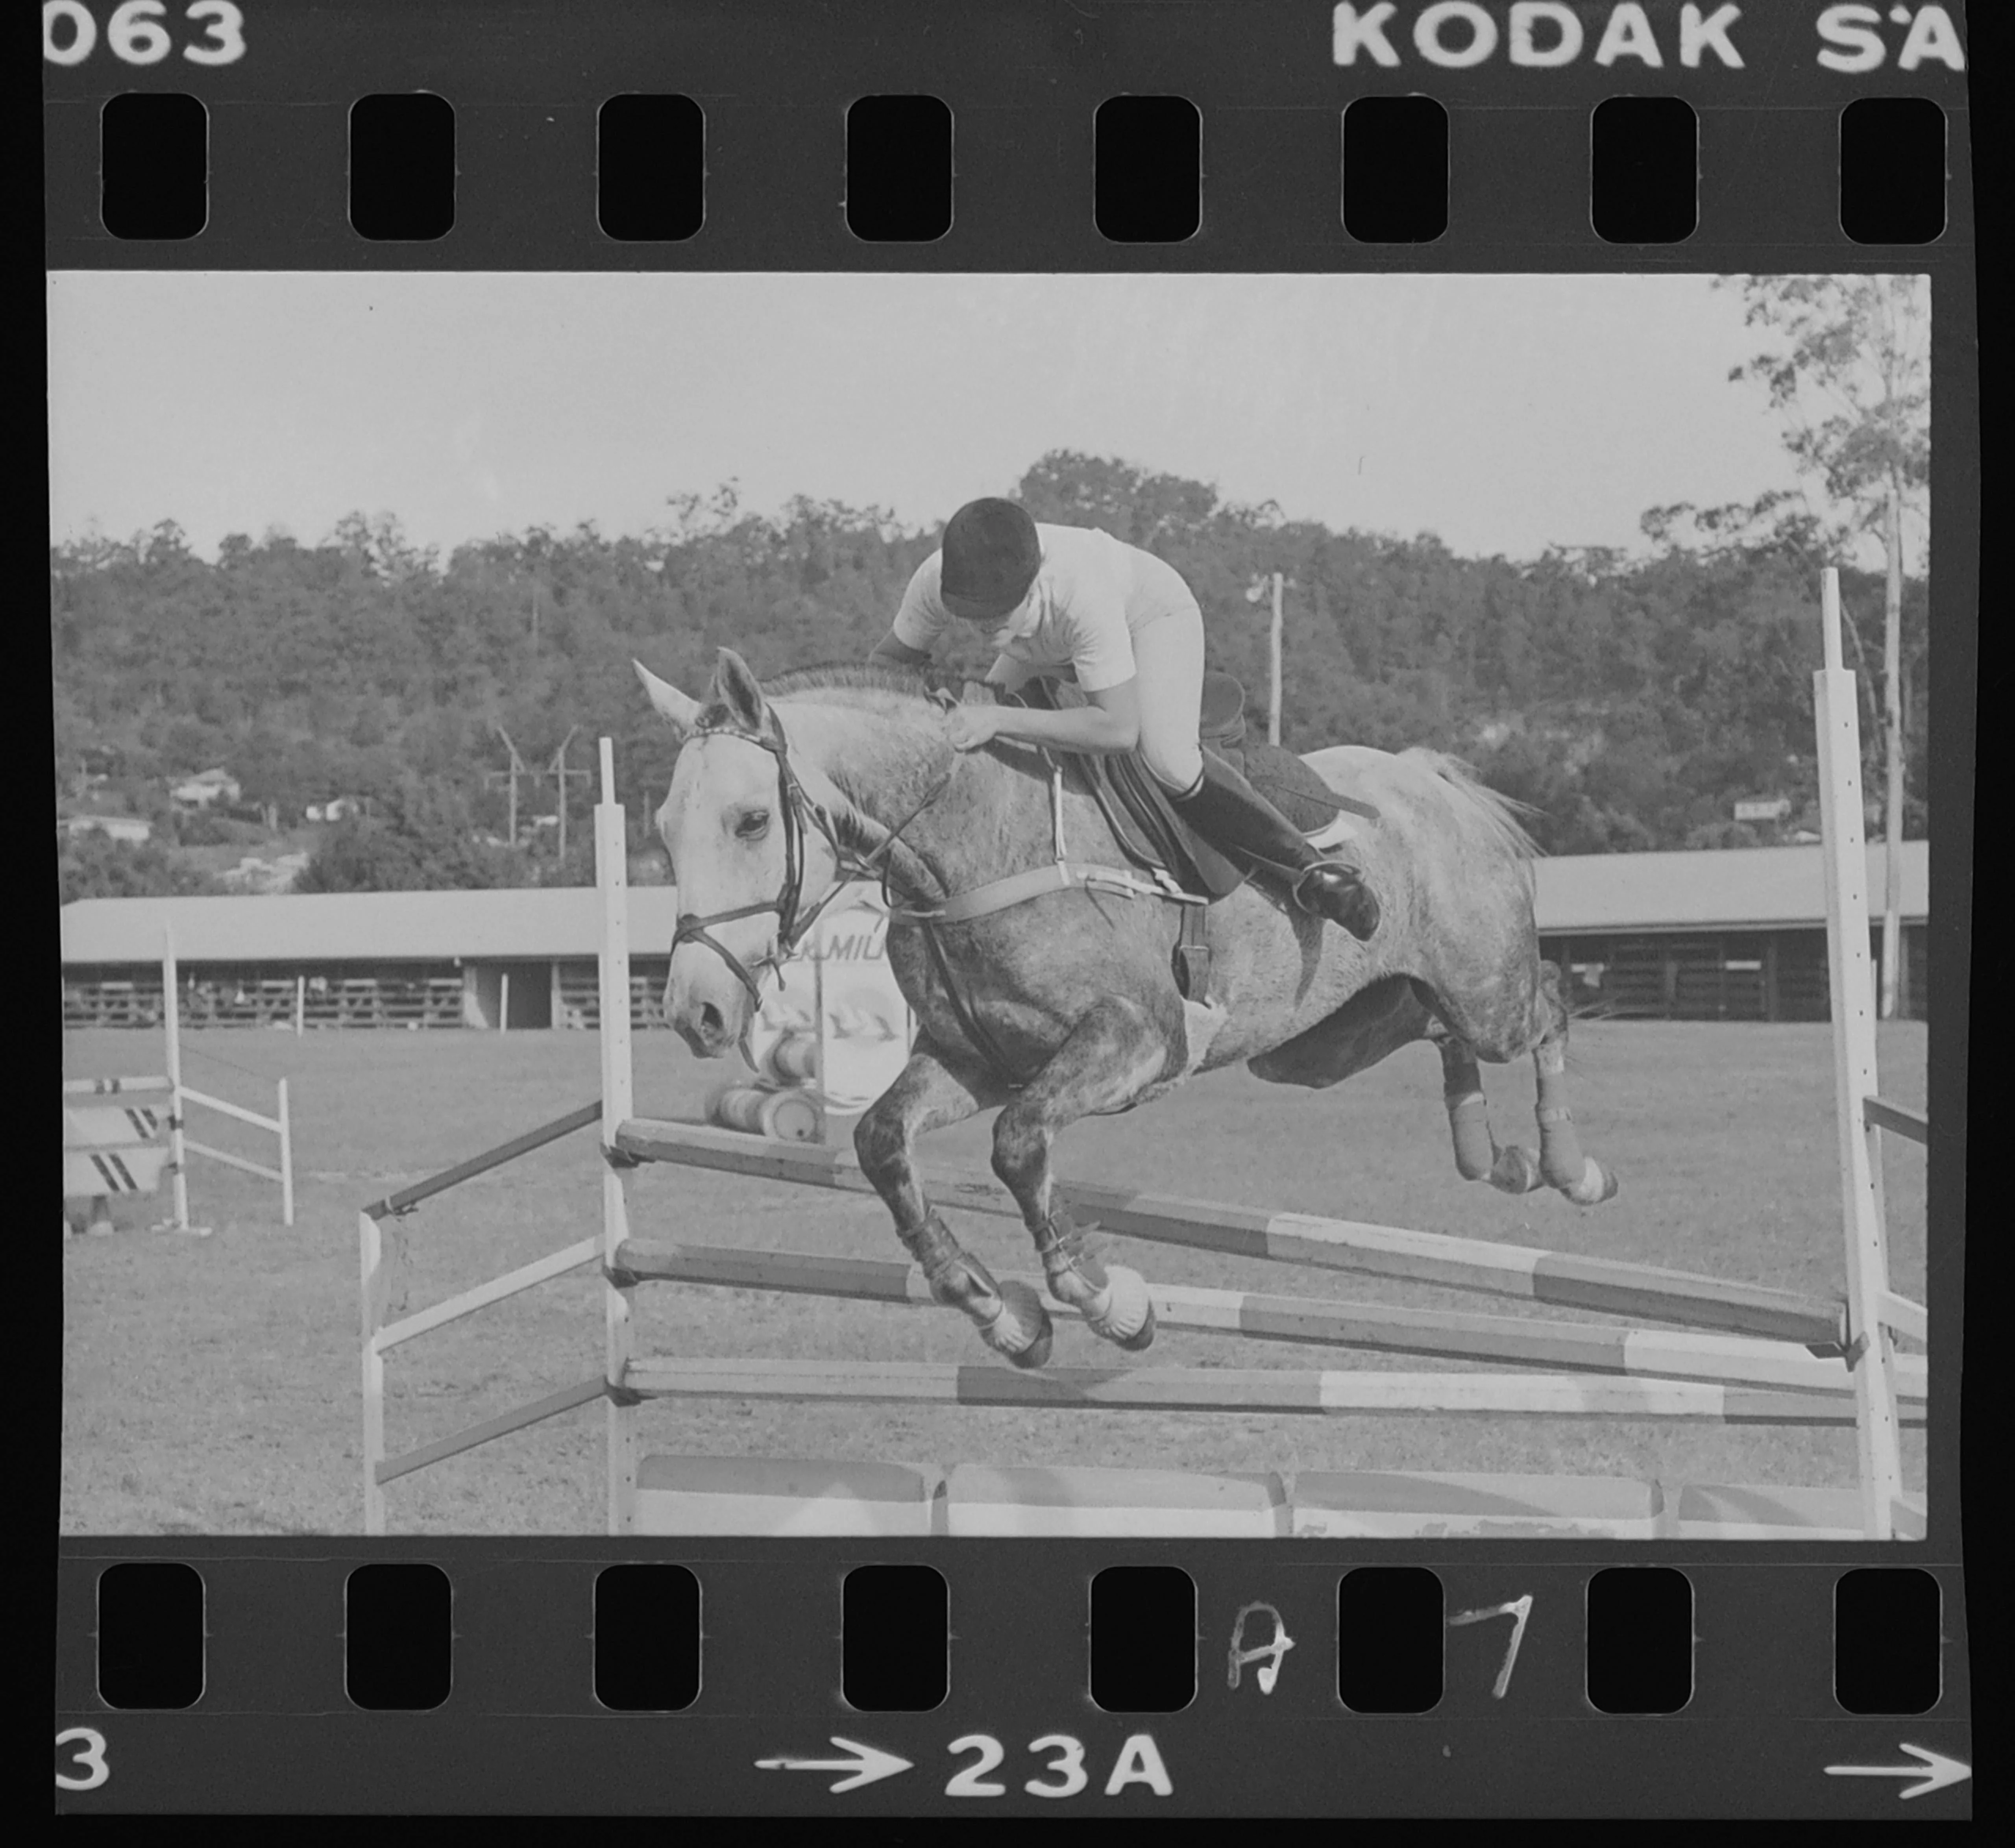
point(681, 712)
point(736, 688)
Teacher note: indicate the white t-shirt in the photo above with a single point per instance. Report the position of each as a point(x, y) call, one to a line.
point(1093, 595)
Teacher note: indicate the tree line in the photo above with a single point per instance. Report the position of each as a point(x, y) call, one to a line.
point(1630, 701)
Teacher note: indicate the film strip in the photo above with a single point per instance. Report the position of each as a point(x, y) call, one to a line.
point(689, 1520)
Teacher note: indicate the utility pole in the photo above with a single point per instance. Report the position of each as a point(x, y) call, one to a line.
point(558, 771)
point(1274, 705)
point(492, 778)
point(1253, 594)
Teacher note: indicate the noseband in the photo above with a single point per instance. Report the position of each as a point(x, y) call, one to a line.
point(799, 812)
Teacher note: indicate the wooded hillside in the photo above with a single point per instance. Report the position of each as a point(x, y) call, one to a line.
point(1632, 703)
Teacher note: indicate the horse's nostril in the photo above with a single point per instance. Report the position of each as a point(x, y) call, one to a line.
point(711, 1023)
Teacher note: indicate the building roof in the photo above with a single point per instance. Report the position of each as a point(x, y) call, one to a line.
point(360, 926)
point(1737, 889)
point(1754, 888)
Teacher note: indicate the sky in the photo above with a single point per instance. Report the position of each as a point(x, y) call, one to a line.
point(1505, 414)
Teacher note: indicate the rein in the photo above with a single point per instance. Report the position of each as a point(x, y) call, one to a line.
point(801, 813)
point(798, 811)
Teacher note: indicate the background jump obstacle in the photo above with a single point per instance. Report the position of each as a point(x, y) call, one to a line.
point(832, 1034)
point(1775, 1357)
point(1875, 1312)
point(120, 1149)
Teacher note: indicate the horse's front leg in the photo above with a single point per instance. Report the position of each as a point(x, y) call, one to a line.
point(936, 1090)
point(1113, 1054)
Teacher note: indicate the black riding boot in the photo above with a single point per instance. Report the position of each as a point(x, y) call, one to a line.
point(1235, 818)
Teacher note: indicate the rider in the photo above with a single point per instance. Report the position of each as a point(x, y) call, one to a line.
point(1124, 623)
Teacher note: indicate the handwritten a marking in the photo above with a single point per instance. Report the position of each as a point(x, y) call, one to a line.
point(1270, 1672)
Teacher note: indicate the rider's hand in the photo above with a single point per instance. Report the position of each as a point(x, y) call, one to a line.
point(969, 727)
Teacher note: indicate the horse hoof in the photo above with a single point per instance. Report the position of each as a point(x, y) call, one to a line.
point(1128, 1318)
point(1022, 1332)
point(1597, 1184)
point(1516, 1170)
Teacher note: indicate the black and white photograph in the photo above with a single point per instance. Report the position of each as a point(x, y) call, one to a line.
point(1129, 906)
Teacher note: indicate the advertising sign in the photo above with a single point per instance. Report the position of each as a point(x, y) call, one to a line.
point(840, 987)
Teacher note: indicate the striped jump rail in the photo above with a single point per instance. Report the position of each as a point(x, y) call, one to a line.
point(394, 1206)
point(1377, 1327)
point(1241, 1390)
point(1600, 1285)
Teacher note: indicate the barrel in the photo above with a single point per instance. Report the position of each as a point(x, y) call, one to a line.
point(794, 1059)
point(785, 1116)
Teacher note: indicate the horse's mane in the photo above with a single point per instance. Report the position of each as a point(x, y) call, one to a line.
point(836, 676)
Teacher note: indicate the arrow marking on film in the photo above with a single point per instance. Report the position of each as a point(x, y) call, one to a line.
point(866, 1766)
point(1936, 1771)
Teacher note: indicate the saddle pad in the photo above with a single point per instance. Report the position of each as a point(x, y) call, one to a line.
point(1292, 786)
point(1136, 808)
point(1147, 825)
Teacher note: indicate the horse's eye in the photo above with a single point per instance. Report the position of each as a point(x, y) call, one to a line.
point(753, 826)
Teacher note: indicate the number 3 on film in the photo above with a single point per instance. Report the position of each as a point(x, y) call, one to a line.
point(135, 34)
point(87, 1768)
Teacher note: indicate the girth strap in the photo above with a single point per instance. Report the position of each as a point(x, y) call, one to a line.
point(1018, 888)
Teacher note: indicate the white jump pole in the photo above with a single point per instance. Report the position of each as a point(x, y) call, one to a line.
point(612, 884)
point(171, 1022)
point(1837, 710)
point(300, 1005)
point(822, 1036)
point(286, 1160)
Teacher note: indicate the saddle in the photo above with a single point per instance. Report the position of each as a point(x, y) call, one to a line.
point(1152, 833)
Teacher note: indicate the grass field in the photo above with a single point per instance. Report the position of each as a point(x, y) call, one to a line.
point(211, 1385)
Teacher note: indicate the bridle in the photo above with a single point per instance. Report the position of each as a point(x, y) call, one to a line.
point(799, 814)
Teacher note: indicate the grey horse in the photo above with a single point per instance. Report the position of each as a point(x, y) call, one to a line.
point(1066, 1004)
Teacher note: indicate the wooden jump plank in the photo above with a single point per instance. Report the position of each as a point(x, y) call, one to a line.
point(1898, 1119)
point(983, 1501)
point(230, 1160)
point(1192, 1388)
point(224, 1107)
point(1390, 1504)
point(89, 1173)
point(1372, 1327)
point(498, 1290)
point(111, 1087)
point(776, 1497)
point(1602, 1285)
point(116, 1126)
point(490, 1158)
point(1906, 1318)
point(468, 1438)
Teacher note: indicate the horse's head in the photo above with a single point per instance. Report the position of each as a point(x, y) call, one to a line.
point(747, 858)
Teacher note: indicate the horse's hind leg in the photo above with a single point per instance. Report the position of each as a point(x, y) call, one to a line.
point(1114, 1053)
point(932, 1092)
point(1478, 1155)
point(1560, 1163)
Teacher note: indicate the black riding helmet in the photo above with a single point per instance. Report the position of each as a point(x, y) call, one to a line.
point(991, 556)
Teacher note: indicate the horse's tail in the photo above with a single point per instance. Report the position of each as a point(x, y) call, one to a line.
point(1496, 813)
